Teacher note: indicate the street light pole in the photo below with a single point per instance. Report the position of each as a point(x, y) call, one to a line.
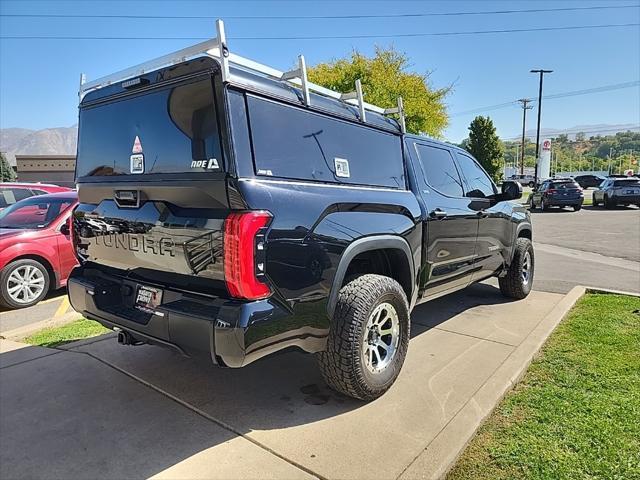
point(541, 72)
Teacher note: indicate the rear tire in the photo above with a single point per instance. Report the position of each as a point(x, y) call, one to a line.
point(532, 205)
point(23, 283)
point(608, 204)
point(371, 311)
point(518, 281)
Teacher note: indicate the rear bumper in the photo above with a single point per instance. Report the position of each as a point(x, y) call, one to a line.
point(559, 202)
point(229, 332)
point(626, 199)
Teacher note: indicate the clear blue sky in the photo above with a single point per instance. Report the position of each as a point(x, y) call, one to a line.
point(39, 78)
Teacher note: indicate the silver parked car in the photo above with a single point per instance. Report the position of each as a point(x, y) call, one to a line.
point(617, 191)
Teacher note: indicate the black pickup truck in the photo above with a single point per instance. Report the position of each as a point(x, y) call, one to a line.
point(233, 216)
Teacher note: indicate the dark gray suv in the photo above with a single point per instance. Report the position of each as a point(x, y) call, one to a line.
point(617, 191)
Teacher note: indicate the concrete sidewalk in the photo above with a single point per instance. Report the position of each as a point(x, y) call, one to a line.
point(99, 410)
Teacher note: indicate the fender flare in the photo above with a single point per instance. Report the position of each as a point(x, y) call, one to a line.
point(520, 227)
point(376, 242)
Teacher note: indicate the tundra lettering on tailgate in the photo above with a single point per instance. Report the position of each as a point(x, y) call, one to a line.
point(137, 243)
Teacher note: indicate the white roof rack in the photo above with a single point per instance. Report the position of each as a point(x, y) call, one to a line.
point(217, 48)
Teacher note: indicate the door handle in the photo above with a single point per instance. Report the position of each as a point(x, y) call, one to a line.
point(482, 214)
point(438, 213)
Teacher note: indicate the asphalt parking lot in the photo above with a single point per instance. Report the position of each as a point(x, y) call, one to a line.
point(593, 247)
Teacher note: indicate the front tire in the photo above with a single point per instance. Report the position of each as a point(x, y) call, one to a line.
point(23, 283)
point(576, 208)
point(518, 281)
point(368, 339)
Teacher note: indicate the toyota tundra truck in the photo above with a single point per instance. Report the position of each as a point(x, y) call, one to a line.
point(229, 211)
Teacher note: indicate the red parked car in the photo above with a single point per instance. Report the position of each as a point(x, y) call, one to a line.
point(11, 193)
point(36, 252)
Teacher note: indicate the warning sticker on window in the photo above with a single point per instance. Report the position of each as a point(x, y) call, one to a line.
point(342, 167)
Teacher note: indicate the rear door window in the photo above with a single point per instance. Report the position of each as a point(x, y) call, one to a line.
point(174, 128)
point(293, 143)
point(439, 170)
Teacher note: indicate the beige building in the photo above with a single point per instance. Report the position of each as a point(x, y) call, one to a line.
point(55, 169)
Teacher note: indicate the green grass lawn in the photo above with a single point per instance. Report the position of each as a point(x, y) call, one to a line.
point(576, 412)
point(76, 330)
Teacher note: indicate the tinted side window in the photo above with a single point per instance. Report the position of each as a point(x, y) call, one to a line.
point(293, 143)
point(9, 196)
point(479, 185)
point(21, 193)
point(439, 170)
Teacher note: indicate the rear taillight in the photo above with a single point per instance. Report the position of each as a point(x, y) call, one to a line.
point(551, 190)
point(244, 255)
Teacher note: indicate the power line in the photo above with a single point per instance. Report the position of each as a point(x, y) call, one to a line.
point(604, 88)
point(333, 37)
point(319, 17)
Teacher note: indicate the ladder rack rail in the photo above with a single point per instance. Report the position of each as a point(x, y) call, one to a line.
point(217, 48)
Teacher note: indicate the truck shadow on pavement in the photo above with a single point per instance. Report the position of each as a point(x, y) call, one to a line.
point(101, 410)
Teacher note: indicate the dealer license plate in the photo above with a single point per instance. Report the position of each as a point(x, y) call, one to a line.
point(148, 298)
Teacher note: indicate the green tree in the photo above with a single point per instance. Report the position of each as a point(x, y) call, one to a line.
point(6, 172)
point(385, 77)
point(485, 145)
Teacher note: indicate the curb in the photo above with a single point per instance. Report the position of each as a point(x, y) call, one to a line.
point(23, 332)
point(443, 452)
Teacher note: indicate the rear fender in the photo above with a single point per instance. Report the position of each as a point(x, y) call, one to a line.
point(365, 244)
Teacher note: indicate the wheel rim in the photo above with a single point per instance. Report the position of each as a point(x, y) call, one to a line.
point(526, 268)
point(25, 284)
point(381, 337)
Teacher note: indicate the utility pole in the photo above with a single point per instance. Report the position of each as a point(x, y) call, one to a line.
point(541, 72)
point(524, 102)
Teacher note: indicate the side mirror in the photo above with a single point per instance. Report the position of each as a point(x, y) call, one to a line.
point(510, 191)
point(64, 228)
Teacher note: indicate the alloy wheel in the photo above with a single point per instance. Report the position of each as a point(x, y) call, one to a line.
point(25, 284)
point(526, 269)
point(381, 337)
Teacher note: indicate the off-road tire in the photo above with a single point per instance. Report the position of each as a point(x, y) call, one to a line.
point(512, 284)
point(5, 298)
point(342, 363)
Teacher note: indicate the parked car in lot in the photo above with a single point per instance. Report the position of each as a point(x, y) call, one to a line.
point(524, 179)
point(587, 181)
point(618, 191)
point(36, 252)
point(13, 192)
point(229, 213)
point(557, 192)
